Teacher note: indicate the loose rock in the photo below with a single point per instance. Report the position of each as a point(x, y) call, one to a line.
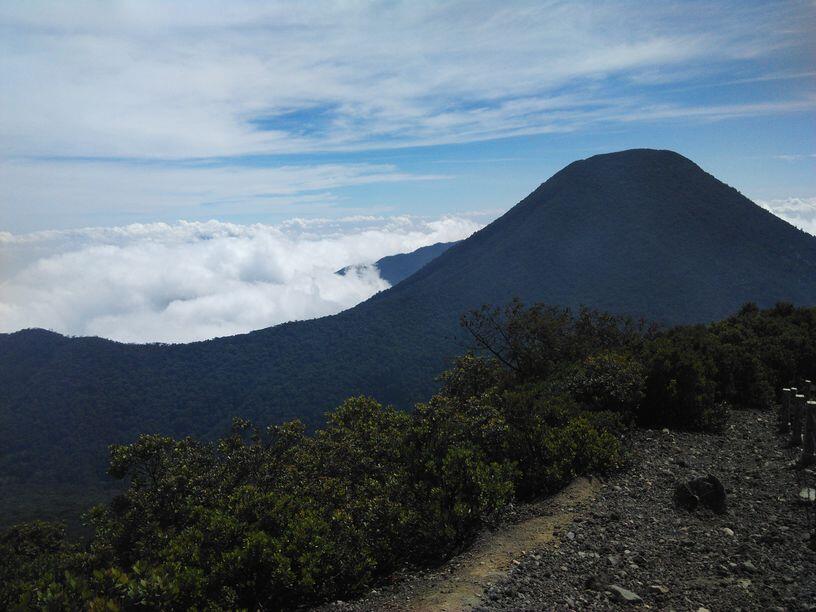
point(624, 595)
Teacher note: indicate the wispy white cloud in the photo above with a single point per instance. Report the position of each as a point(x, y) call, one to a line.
point(714, 112)
point(145, 79)
point(795, 156)
point(81, 190)
point(190, 281)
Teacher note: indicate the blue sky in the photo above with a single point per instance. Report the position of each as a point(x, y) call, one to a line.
point(177, 171)
point(120, 112)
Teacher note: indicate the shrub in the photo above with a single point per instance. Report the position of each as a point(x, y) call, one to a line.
point(680, 389)
point(609, 381)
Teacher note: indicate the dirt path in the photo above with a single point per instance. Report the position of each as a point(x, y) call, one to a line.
point(491, 559)
point(461, 582)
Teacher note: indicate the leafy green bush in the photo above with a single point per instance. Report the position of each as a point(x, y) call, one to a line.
point(40, 569)
point(609, 381)
point(578, 448)
point(680, 386)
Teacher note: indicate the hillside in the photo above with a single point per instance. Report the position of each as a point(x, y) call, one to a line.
point(396, 268)
point(284, 519)
point(640, 232)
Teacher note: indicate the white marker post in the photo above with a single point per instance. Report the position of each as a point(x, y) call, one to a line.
point(796, 419)
point(784, 410)
point(809, 443)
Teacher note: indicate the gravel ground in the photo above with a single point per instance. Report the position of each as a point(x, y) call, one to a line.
point(635, 544)
point(625, 545)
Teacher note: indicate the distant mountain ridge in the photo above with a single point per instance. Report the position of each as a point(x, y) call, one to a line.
point(396, 268)
point(639, 232)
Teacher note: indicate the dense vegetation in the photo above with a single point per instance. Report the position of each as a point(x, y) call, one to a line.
point(645, 233)
point(276, 517)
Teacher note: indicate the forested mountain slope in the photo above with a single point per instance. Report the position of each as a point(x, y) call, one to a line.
point(640, 232)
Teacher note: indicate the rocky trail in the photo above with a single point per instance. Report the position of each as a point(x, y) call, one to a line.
point(462, 585)
point(624, 543)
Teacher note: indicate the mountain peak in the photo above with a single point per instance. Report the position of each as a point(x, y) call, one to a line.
point(635, 162)
point(640, 156)
point(644, 232)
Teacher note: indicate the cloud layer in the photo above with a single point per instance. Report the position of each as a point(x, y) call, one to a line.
point(207, 79)
point(65, 190)
point(140, 110)
point(191, 281)
point(800, 212)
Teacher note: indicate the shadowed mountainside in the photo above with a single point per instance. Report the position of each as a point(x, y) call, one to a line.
point(640, 232)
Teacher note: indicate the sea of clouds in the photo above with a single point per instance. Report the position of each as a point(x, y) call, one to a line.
point(188, 281)
point(799, 212)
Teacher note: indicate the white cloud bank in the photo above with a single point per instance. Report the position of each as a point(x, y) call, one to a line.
point(191, 281)
point(800, 212)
